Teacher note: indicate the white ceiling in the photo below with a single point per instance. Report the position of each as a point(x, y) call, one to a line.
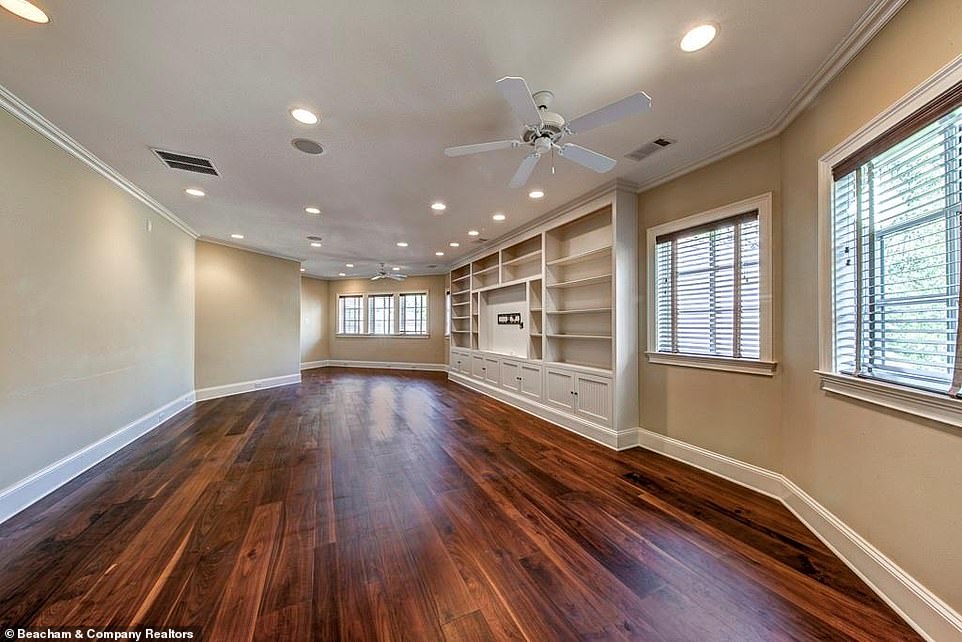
point(395, 83)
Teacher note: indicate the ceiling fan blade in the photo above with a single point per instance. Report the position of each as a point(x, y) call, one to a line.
point(587, 158)
point(628, 106)
point(397, 277)
point(464, 150)
point(516, 92)
point(524, 170)
point(377, 277)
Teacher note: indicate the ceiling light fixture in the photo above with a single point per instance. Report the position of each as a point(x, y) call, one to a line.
point(341, 274)
point(25, 10)
point(698, 38)
point(536, 193)
point(193, 191)
point(312, 210)
point(473, 232)
point(350, 265)
point(499, 217)
point(315, 244)
point(396, 269)
point(237, 236)
point(454, 244)
point(303, 269)
point(402, 244)
point(439, 253)
point(438, 206)
point(304, 116)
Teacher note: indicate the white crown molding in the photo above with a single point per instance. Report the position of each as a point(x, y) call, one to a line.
point(866, 28)
point(252, 250)
point(36, 121)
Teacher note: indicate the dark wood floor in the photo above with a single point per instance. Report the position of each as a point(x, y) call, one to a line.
point(366, 505)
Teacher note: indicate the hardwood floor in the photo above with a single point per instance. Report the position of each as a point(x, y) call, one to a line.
point(373, 505)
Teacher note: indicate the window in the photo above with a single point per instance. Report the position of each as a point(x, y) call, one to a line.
point(413, 313)
point(349, 314)
point(380, 314)
point(709, 289)
point(895, 253)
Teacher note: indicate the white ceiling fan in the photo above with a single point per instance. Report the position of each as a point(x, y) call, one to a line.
point(382, 273)
point(543, 130)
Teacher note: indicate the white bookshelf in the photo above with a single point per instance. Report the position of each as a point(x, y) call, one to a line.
point(572, 278)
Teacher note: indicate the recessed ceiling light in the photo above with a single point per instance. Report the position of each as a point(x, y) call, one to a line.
point(499, 217)
point(396, 269)
point(438, 206)
point(303, 269)
point(26, 10)
point(237, 236)
point(305, 116)
point(473, 232)
point(698, 38)
point(312, 210)
point(315, 244)
point(454, 244)
point(341, 274)
point(402, 244)
point(193, 191)
point(348, 265)
point(439, 254)
point(536, 193)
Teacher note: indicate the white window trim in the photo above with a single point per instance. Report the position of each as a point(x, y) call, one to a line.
point(909, 400)
point(396, 300)
point(765, 364)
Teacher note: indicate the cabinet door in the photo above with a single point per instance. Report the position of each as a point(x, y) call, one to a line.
point(593, 398)
point(459, 362)
point(511, 375)
point(492, 371)
point(530, 381)
point(477, 366)
point(559, 389)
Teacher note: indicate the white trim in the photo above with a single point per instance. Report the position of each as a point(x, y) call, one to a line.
point(33, 119)
point(388, 365)
point(867, 27)
point(939, 82)
point(616, 439)
point(705, 362)
point(35, 487)
point(310, 365)
point(254, 250)
point(761, 203)
point(925, 612)
point(930, 405)
point(215, 392)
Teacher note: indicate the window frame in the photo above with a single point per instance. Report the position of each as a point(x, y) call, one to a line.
point(395, 320)
point(399, 304)
point(765, 363)
point(339, 326)
point(369, 298)
point(907, 399)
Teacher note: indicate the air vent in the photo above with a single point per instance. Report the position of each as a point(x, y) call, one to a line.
point(648, 149)
point(186, 162)
point(318, 239)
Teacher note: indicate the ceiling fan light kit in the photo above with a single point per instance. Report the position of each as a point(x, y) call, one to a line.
point(382, 273)
point(544, 130)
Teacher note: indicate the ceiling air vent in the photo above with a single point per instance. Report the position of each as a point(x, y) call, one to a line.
point(648, 149)
point(186, 162)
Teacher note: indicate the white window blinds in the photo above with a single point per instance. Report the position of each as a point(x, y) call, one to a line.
point(380, 314)
point(707, 289)
point(896, 258)
point(413, 308)
point(349, 314)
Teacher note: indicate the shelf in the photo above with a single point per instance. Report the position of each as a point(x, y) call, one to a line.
point(460, 318)
point(524, 258)
point(535, 309)
point(606, 337)
point(536, 334)
point(581, 256)
point(506, 284)
point(485, 270)
point(580, 366)
point(460, 331)
point(582, 311)
point(454, 305)
point(460, 292)
point(591, 280)
point(461, 278)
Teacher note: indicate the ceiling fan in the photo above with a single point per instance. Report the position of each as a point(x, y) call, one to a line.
point(543, 130)
point(382, 273)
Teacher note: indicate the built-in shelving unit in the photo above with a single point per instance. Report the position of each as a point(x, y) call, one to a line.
point(565, 292)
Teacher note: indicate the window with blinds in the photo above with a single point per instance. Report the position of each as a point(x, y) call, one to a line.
point(896, 252)
point(707, 289)
point(350, 314)
point(380, 314)
point(413, 313)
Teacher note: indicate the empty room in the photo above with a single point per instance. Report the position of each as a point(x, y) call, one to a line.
point(481, 320)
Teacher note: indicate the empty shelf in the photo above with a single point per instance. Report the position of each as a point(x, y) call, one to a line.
point(581, 256)
point(591, 280)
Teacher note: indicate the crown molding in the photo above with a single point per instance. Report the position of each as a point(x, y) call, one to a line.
point(252, 250)
point(867, 27)
point(36, 121)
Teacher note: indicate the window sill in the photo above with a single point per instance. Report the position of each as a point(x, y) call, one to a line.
point(920, 403)
point(382, 336)
point(728, 364)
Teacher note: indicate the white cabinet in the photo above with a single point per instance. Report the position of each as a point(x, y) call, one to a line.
point(530, 381)
point(492, 370)
point(511, 375)
point(477, 366)
point(559, 388)
point(460, 362)
point(587, 396)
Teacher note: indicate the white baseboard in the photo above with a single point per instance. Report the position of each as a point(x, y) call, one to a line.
point(616, 439)
point(310, 365)
point(25, 492)
point(215, 392)
point(922, 609)
point(388, 365)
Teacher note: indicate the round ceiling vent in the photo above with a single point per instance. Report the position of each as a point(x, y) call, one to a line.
point(308, 146)
point(314, 238)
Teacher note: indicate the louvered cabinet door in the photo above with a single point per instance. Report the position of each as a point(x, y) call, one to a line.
point(559, 389)
point(593, 398)
point(477, 366)
point(492, 371)
point(511, 375)
point(530, 381)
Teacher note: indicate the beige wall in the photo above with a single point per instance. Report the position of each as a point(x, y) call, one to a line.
point(96, 312)
point(430, 350)
point(893, 478)
point(315, 321)
point(247, 322)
